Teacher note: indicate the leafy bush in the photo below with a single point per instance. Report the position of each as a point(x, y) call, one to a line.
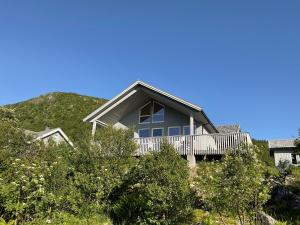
point(156, 191)
point(235, 187)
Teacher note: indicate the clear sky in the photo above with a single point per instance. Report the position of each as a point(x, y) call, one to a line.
point(239, 60)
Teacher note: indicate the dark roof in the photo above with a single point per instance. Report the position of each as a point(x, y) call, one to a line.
point(233, 128)
point(286, 143)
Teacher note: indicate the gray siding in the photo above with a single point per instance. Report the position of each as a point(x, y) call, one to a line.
point(172, 118)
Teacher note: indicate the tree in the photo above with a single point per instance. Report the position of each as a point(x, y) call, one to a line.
point(12, 138)
point(101, 165)
point(156, 191)
point(236, 186)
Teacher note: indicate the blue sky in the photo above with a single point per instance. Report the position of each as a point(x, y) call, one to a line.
point(239, 60)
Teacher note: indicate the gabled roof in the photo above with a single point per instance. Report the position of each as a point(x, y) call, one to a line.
point(48, 132)
point(131, 90)
point(285, 143)
point(231, 128)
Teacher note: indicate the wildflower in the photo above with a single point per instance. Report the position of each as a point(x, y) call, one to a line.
point(17, 159)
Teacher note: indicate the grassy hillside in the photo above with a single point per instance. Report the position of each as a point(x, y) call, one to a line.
point(64, 110)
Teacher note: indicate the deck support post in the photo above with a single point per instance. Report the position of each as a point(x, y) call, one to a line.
point(191, 157)
point(191, 161)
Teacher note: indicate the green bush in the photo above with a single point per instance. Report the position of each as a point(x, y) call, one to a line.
point(156, 191)
point(236, 186)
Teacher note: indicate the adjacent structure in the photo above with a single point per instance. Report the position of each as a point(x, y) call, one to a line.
point(284, 150)
point(56, 135)
point(156, 115)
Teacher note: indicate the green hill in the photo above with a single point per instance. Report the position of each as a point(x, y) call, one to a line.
point(57, 109)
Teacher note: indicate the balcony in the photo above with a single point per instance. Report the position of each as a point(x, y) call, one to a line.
point(205, 144)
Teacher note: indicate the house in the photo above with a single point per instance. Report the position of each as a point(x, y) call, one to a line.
point(284, 150)
point(225, 129)
point(56, 135)
point(156, 115)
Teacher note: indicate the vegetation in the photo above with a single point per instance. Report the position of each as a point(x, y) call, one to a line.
point(60, 185)
point(64, 110)
point(156, 191)
point(236, 187)
point(101, 182)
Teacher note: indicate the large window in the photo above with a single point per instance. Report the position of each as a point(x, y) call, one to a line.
point(145, 113)
point(144, 132)
point(157, 132)
point(173, 131)
point(152, 112)
point(158, 113)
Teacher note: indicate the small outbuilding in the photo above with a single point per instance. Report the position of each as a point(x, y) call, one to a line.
point(56, 134)
point(284, 150)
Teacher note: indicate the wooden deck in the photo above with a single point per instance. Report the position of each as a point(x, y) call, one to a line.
point(206, 144)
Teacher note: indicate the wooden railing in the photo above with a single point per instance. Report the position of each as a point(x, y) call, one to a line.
point(206, 144)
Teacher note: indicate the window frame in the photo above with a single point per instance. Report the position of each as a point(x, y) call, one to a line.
point(189, 128)
point(140, 109)
point(158, 128)
point(153, 112)
point(151, 102)
point(174, 127)
point(144, 129)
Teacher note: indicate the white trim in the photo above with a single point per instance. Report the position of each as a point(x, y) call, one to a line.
point(109, 102)
point(59, 130)
point(174, 127)
point(114, 105)
point(101, 123)
point(158, 128)
point(87, 118)
point(144, 129)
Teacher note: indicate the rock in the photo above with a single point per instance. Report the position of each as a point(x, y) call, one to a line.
point(266, 219)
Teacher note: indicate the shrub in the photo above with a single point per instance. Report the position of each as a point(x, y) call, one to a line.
point(156, 191)
point(235, 187)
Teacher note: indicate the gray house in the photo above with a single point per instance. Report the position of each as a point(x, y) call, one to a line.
point(156, 115)
point(284, 150)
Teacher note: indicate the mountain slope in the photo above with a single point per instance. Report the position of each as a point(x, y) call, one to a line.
point(58, 109)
